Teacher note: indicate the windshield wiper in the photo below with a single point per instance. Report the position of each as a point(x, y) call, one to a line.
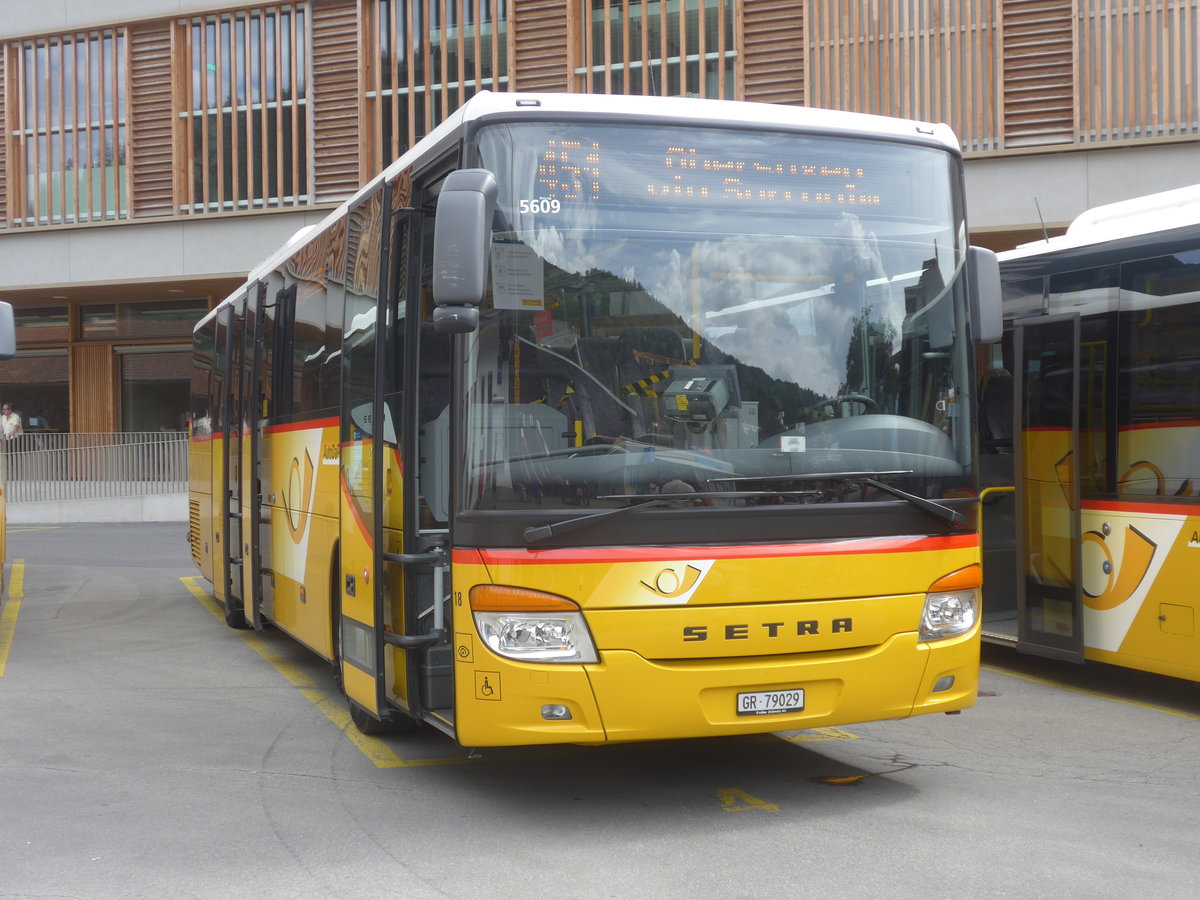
point(945, 513)
point(534, 534)
point(685, 496)
point(811, 476)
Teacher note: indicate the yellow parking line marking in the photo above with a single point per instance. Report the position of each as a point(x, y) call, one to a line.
point(333, 708)
point(14, 529)
point(11, 609)
point(1099, 695)
point(816, 735)
point(734, 800)
point(377, 751)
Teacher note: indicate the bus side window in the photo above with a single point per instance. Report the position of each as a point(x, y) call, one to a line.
point(1160, 375)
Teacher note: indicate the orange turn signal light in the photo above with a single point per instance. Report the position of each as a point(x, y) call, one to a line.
point(502, 598)
point(962, 580)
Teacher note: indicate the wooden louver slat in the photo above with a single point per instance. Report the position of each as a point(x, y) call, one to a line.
point(151, 121)
point(335, 99)
point(1039, 78)
point(540, 45)
point(4, 131)
point(773, 51)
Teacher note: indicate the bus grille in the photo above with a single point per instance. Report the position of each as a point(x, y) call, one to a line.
point(194, 529)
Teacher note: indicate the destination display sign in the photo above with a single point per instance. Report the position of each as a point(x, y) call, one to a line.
point(816, 175)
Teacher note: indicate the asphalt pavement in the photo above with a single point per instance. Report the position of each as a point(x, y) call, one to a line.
point(146, 750)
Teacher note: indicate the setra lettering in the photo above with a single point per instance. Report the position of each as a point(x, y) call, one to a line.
point(771, 630)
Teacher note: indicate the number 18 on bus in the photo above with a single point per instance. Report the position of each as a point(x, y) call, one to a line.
point(602, 419)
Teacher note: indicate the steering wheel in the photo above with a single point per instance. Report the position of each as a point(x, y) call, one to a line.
point(870, 406)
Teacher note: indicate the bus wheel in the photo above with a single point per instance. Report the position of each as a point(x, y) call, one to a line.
point(235, 617)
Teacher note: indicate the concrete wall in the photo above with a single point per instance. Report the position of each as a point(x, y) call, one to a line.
point(1002, 189)
point(172, 249)
point(154, 508)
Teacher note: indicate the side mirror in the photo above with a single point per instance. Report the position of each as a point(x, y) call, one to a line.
point(983, 289)
point(462, 239)
point(8, 331)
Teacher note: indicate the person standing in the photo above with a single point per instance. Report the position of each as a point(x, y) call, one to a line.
point(10, 420)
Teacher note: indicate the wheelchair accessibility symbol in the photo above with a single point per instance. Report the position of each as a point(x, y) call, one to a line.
point(487, 685)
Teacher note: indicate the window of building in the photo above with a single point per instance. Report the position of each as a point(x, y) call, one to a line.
point(35, 384)
point(69, 147)
point(674, 48)
point(41, 325)
point(432, 57)
point(155, 388)
point(246, 108)
point(126, 321)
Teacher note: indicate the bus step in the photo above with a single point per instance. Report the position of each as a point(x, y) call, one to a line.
point(437, 678)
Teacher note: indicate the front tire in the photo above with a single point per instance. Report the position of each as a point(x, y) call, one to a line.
point(367, 724)
point(235, 616)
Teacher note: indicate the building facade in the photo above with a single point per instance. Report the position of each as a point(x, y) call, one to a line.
point(153, 151)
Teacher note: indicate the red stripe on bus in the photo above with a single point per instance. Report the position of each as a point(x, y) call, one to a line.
point(856, 546)
point(362, 527)
point(1133, 506)
point(1146, 426)
point(330, 422)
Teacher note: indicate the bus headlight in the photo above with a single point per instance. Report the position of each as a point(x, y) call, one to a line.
point(952, 604)
point(948, 614)
point(531, 626)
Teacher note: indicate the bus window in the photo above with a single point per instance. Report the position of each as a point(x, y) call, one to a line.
point(1024, 298)
point(1087, 291)
point(1159, 443)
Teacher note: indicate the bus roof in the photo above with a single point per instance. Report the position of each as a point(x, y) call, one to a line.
point(692, 111)
point(1140, 216)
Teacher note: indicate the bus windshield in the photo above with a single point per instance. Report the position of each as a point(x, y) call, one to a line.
point(749, 316)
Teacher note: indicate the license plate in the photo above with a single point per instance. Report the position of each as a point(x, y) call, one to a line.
point(769, 703)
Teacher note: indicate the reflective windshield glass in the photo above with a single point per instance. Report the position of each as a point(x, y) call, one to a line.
point(684, 310)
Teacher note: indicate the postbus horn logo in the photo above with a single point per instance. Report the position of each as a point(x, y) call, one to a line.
point(1116, 587)
point(295, 506)
point(669, 584)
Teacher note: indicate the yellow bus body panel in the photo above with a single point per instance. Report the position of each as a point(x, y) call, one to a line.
point(681, 631)
point(1139, 553)
point(200, 504)
point(300, 510)
point(1141, 565)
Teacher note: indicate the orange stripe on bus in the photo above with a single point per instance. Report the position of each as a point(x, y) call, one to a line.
point(311, 424)
point(855, 546)
point(1133, 506)
point(362, 527)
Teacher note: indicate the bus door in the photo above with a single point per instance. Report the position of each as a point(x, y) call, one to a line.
point(250, 492)
point(375, 675)
point(228, 496)
point(1046, 451)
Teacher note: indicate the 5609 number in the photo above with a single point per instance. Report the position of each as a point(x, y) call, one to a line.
point(539, 205)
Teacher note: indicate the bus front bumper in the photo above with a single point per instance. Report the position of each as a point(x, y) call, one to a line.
point(629, 698)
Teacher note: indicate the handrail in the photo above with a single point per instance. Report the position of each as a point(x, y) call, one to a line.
point(83, 465)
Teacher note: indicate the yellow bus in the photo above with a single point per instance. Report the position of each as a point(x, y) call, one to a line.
point(599, 418)
point(1100, 380)
point(8, 349)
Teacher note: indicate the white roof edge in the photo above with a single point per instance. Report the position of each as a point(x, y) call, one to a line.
point(488, 103)
point(1147, 214)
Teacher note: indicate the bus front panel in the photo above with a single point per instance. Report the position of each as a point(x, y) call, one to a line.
point(746, 625)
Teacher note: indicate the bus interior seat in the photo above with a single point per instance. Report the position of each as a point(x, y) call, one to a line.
point(996, 412)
